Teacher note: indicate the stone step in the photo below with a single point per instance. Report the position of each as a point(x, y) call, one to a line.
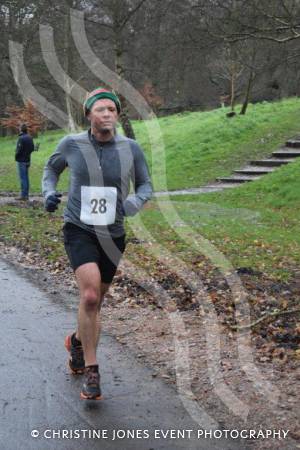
point(293, 143)
point(238, 178)
point(271, 162)
point(285, 152)
point(221, 185)
point(254, 170)
point(258, 168)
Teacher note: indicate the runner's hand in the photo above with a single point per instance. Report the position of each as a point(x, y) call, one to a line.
point(52, 202)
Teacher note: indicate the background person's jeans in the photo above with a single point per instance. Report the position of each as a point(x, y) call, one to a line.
point(24, 179)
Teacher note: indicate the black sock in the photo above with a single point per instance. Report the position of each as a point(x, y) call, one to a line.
point(75, 341)
point(93, 367)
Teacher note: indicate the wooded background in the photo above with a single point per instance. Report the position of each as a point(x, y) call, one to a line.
point(181, 55)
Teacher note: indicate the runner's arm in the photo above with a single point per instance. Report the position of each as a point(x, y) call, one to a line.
point(52, 170)
point(142, 185)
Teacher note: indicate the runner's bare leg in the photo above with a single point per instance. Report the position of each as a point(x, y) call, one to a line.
point(104, 288)
point(89, 282)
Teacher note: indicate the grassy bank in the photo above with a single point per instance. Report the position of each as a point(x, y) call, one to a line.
point(256, 225)
point(197, 147)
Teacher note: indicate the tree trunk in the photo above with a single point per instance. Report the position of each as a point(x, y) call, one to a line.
point(124, 116)
point(248, 93)
point(232, 99)
point(124, 119)
point(72, 126)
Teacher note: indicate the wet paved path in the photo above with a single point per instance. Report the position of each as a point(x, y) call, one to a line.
point(38, 393)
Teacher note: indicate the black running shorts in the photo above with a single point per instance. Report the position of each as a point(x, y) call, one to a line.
point(83, 247)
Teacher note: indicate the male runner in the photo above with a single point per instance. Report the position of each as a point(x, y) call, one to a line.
point(101, 164)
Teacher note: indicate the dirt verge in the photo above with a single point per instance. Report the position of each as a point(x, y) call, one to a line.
point(132, 316)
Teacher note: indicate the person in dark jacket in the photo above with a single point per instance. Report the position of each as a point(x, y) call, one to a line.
point(25, 147)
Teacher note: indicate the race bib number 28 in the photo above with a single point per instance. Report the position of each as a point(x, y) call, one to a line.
point(98, 205)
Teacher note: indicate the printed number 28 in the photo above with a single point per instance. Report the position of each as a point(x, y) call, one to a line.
point(98, 205)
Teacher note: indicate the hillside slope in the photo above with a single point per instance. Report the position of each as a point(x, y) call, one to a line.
point(198, 146)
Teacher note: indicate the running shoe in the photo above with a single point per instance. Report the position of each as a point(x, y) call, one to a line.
point(76, 360)
point(91, 386)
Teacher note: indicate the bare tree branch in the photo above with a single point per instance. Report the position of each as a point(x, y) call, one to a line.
point(131, 13)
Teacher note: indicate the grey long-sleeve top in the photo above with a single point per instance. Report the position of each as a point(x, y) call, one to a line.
point(99, 181)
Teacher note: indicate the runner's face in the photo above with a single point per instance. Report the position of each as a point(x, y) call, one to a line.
point(103, 115)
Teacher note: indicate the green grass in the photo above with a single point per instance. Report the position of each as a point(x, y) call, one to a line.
point(256, 225)
point(34, 230)
point(197, 147)
point(202, 146)
point(8, 172)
